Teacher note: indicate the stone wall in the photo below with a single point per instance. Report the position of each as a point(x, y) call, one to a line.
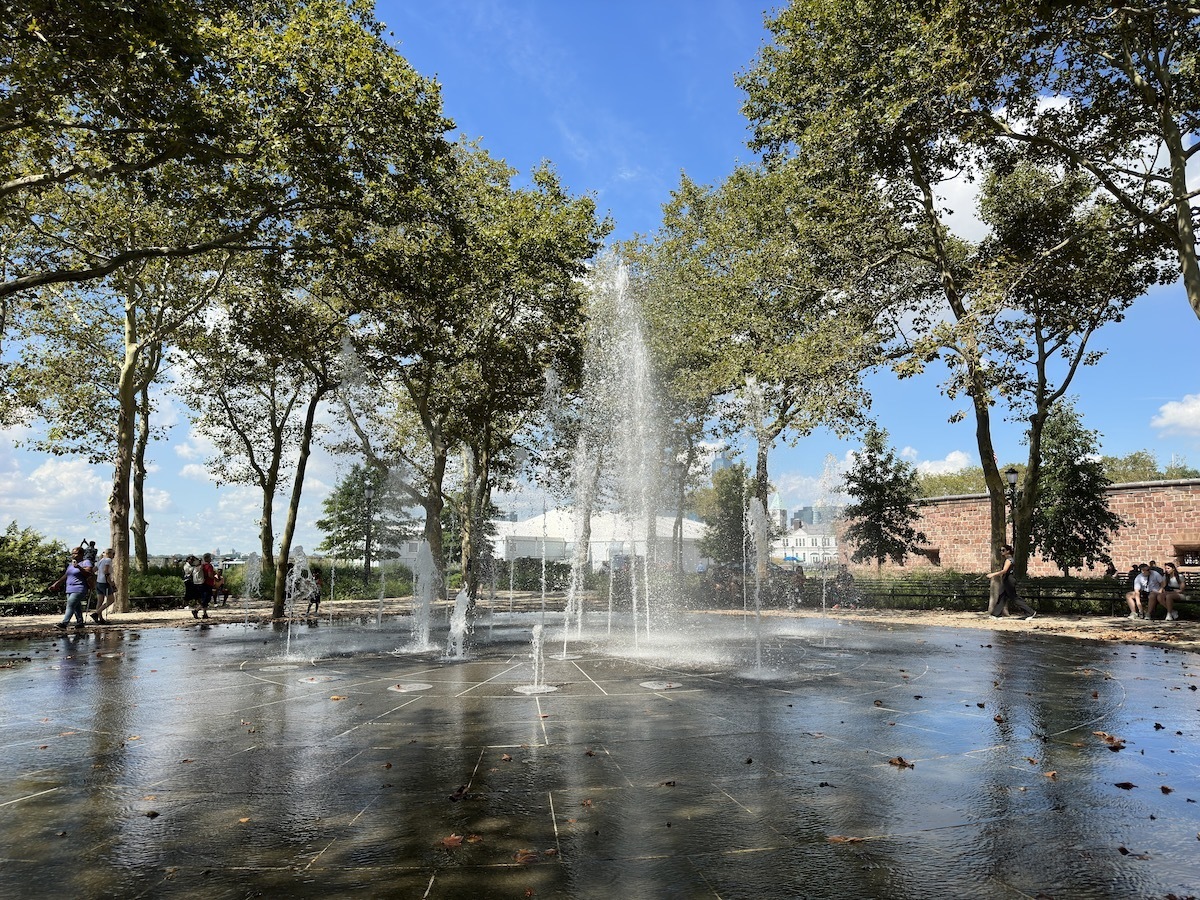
point(1163, 516)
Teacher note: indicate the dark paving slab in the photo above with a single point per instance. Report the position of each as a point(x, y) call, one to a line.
point(856, 761)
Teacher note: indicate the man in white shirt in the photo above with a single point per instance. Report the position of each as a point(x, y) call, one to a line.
point(1146, 582)
point(106, 589)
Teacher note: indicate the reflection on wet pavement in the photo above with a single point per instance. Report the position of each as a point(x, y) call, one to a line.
point(858, 761)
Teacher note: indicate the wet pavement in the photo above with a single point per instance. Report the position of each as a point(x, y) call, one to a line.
point(858, 760)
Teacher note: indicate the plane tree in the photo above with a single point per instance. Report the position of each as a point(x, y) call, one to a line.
point(885, 94)
point(777, 317)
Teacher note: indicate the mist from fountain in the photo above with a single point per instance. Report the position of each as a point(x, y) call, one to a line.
point(539, 666)
point(251, 581)
point(297, 588)
point(425, 588)
point(760, 542)
point(456, 645)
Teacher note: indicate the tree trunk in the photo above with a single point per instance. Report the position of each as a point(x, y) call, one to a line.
point(266, 523)
point(289, 530)
point(433, 503)
point(141, 555)
point(118, 499)
point(762, 480)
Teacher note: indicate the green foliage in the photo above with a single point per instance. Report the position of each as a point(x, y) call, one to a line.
point(1142, 465)
point(28, 561)
point(886, 496)
point(346, 509)
point(1072, 524)
point(951, 484)
point(724, 512)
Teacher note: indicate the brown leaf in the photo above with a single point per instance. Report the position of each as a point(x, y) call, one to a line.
point(901, 763)
point(550, 852)
point(474, 839)
point(878, 703)
point(666, 784)
point(842, 839)
point(387, 765)
point(336, 697)
point(587, 802)
point(1126, 785)
point(185, 761)
point(589, 753)
point(1031, 760)
point(1166, 790)
point(998, 719)
point(1095, 695)
point(525, 857)
point(528, 892)
point(1053, 776)
point(505, 758)
point(243, 821)
point(451, 841)
point(152, 815)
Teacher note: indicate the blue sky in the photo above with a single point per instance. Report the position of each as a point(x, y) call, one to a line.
point(622, 97)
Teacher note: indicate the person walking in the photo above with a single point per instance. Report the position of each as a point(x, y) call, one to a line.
point(1008, 586)
point(106, 589)
point(193, 577)
point(76, 578)
point(207, 583)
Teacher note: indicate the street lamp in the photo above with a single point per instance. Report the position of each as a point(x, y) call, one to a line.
point(369, 493)
point(1011, 475)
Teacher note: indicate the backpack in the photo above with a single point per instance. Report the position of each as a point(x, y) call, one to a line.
point(198, 575)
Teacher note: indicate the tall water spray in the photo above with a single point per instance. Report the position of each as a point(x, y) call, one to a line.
point(760, 542)
point(583, 480)
point(621, 412)
point(425, 588)
point(456, 646)
point(297, 587)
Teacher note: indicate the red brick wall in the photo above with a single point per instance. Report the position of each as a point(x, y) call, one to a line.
point(1164, 519)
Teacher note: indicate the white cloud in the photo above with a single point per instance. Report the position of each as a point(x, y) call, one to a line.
point(157, 500)
point(1179, 416)
point(195, 472)
point(954, 461)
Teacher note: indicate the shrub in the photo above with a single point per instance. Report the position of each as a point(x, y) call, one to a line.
point(28, 561)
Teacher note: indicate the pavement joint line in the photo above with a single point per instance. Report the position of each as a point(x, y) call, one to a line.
point(554, 824)
point(375, 719)
point(542, 723)
point(582, 672)
point(30, 796)
point(479, 684)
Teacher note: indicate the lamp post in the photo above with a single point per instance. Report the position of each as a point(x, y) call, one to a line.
point(369, 493)
point(1011, 474)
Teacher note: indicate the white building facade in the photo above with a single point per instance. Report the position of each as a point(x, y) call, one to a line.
point(810, 546)
point(555, 535)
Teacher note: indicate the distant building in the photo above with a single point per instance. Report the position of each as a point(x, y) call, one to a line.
point(721, 461)
point(810, 546)
point(777, 514)
point(553, 535)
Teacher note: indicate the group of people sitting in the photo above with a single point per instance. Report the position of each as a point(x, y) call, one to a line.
point(1150, 585)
